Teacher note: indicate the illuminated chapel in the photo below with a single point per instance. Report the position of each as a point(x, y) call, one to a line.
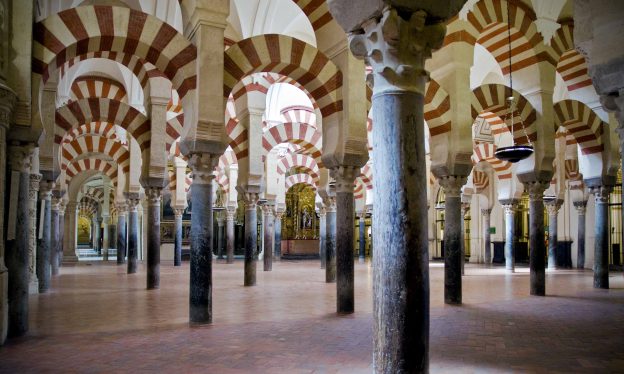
point(303, 186)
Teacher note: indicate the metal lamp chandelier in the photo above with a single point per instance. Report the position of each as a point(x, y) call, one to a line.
point(513, 153)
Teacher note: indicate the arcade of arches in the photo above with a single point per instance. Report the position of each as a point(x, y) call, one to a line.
point(340, 158)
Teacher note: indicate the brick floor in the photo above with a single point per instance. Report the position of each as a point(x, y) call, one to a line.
point(98, 319)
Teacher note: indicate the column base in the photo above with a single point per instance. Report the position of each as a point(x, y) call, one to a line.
point(4, 306)
point(69, 260)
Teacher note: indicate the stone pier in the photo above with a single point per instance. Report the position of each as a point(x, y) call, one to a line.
point(537, 263)
point(452, 238)
point(153, 196)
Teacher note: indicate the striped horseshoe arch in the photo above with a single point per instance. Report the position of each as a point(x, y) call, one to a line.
point(300, 178)
point(367, 176)
point(303, 134)
point(107, 168)
point(103, 129)
point(572, 170)
point(84, 111)
point(485, 152)
point(299, 113)
point(583, 123)
point(292, 160)
point(95, 86)
point(88, 145)
point(87, 208)
point(480, 180)
point(489, 101)
point(437, 109)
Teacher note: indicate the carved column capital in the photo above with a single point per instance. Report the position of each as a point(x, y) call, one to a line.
point(465, 207)
point(601, 193)
point(62, 206)
point(322, 211)
point(230, 212)
point(202, 166)
point(7, 102)
point(267, 209)
point(361, 215)
point(178, 212)
point(122, 208)
point(536, 189)
point(510, 205)
point(45, 190)
point(553, 206)
point(581, 207)
point(20, 157)
point(251, 200)
point(452, 185)
point(132, 201)
point(330, 204)
point(396, 47)
point(345, 177)
point(486, 212)
point(153, 196)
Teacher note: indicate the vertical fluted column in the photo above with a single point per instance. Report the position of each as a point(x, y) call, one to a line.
point(552, 207)
point(510, 207)
point(581, 207)
point(487, 239)
point(465, 207)
point(133, 231)
point(362, 251)
point(345, 222)
point(601, 241)
point(330, 240)
point(269, 231)
point(396, 47)
point(18, 240)
point(33, 192)
point(55, 233)
point(122, 232)
point(537, 263)
point(277, 253)
point(44, 247)
point(230, 234)
point(322, 235)
point(153, 195)
point(177, 246)
point(251, 237)
point(452, 238)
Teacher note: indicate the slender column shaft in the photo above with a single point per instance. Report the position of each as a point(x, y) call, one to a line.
point(122, 234)
point(44, 249)
point(153, 237)
point(105, 239)
point(362, 254)
point(251, 235)
point(230, 235)
point(345, 222)
point(487, 241)
point(55, 236)
point(4, 274)
point(601, 241)
point(553, 210)
point(510, 237)
point(17, 245)
point(35, 180)
point(61, 240)
point(133, 234)
point(277, 254)
point(330, 241)
point(70, 250)
point(269, 231)
point(452, 238)
point(464, 209)
point(177, 246)
point(95, 231)
point(537, 257)
point(322, 236)
point(580, 245)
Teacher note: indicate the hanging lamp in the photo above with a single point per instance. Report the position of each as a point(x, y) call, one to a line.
point(515, 152)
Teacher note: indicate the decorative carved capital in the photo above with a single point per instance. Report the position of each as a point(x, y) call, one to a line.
point(452, 185)
point(278, 215)
point(20, 157)
point(553, 206)
point(153, 196)
point(486, 212)
point(601, 193)
point(178, 212)
point(251, 200)
point(536, 189)
point(396, 47)
point(230, 212)
point(322, 211)
point(7, 102)
point(33, 186)
point(465, 207)
point(61, 208)
point(361, 215)
point(330, 204)
point(45, 190)
point(202, 165)
point(122, 208)
point(133, 204)
point(345, 177)
point(267, 210)
point(581, 207)
point(510, 206)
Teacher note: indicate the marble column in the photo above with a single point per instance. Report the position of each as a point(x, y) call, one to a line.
point(345, 222)
point(251, 237)
point(220, 223)
point(277, 253)
point(396, 49)
point(95, 233)
point(177, 246)
point(510, 207)
point(487, 241)
point(362, 253)
point(18, 240)
point(601, 241)
point(322, 235)
point(330, 240)
point(581, 207)
point(537, 255)
point(200, 293)
point(55, 233)
point(133, 200)
point(229, 226)
point(70, 251)
point(452, 238)
point(153, 196)
point(122, 233)
point(44, 247)
point(553, 211)
point(105, 238)
point(465, 207)
point(61, 240)
point(269, 232)
point(33, 192)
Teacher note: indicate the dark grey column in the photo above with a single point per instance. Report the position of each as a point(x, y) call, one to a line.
point(601, 241)
point(55, 233)
point(269, 231)
point(345, 222)
point(452, 238)
point(153, 196)
point(133, 231)
point(44, 247)
point(581, 207)
point(177, 245)
point(61, 248)
point(330, 240)
point(251, 237)
point(537, 257)
point(464, 209)
point(277, 254)
point(487, 242)
point(220, 249)
point(122, 233)
point(230, 234)
point(18, 234)
point(94, 232)
point(34, 183)
point(510, 207)
point(362, 254)
point(553, 209)
point(322, 235)
point(200, 293)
